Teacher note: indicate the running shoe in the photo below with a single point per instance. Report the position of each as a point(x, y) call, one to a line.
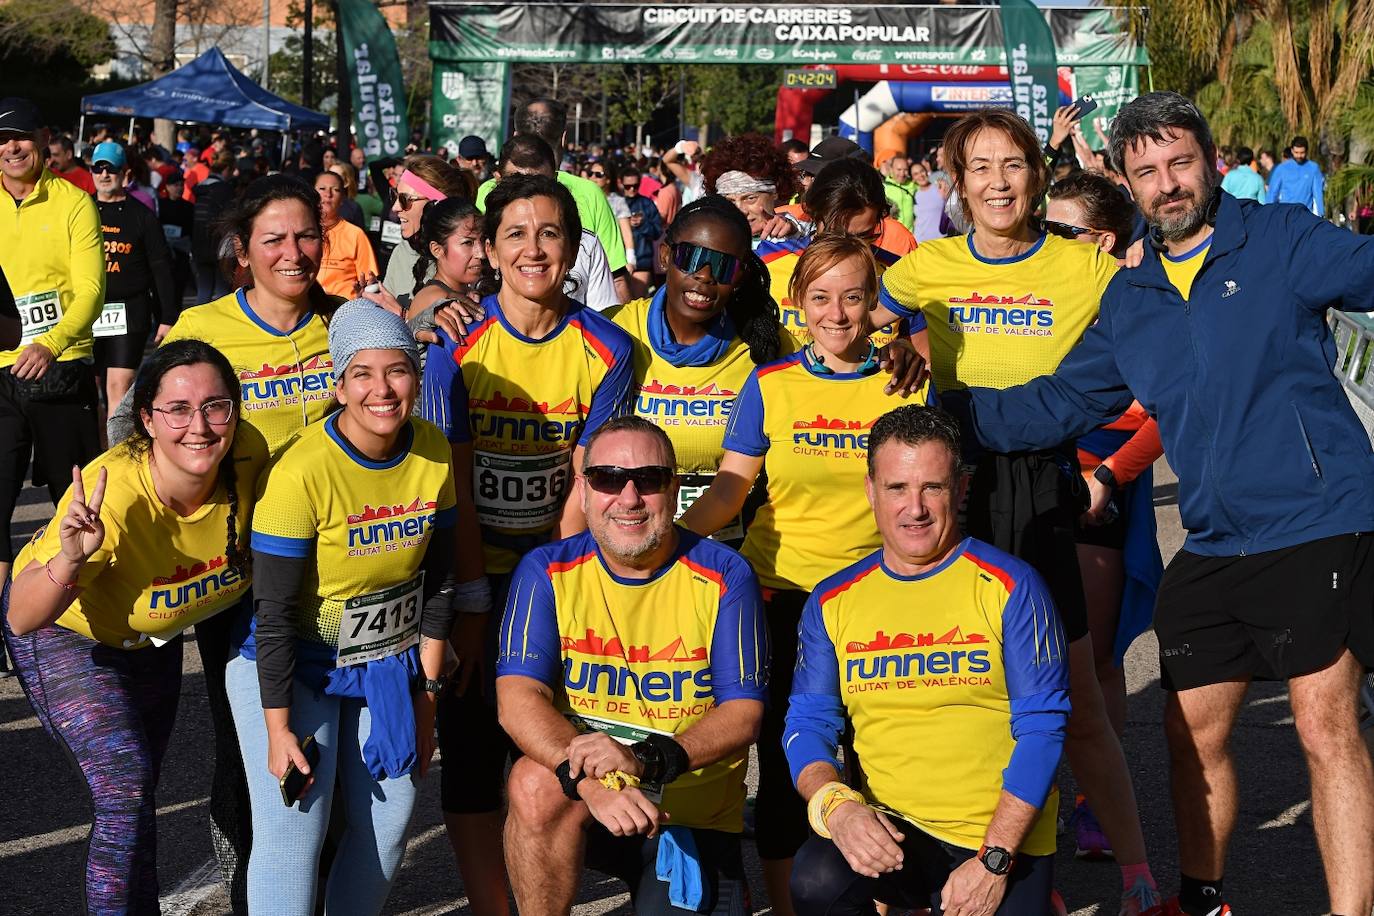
point(1170, 907)
point(1093, 844)
point(1142, 900)
point(1057, 907)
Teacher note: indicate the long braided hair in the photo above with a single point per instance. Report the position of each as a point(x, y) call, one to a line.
point(751, 307)
point(179, 353)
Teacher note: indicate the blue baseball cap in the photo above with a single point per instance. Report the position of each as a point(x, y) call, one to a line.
point(109, 152)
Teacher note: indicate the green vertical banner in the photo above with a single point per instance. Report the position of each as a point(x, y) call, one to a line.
point(1111, 88)
point(374, 74)
point(1031, 63)
point(469, 99)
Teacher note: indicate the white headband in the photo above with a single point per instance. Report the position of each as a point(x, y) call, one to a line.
point(743, 183)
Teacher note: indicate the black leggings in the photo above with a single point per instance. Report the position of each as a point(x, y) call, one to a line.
point(823, 884)
point(779, 812)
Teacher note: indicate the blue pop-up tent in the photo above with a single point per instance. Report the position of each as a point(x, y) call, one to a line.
point(208, 90)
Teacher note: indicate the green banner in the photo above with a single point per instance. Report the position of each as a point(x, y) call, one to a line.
point(1032, 65)
point(469, 98)
point(1110, 87)
point(765, 34)
point(374, 73)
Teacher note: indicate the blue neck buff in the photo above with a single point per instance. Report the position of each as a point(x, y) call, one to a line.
point(719, 335)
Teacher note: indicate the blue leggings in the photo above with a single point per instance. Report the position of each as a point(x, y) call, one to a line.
point(283, 866)
point(112, 711)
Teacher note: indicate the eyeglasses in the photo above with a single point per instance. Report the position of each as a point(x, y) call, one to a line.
point(597, 174)
point(689, 259)
point(103, 168)
point(408, 200)
point(217, 413)
point(630, 187)
point(648, 480)
point(1067, 230)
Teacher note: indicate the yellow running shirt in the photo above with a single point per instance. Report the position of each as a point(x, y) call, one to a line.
point(813, 430)
point(691, 403)
point(781, 257)
point(956, 681)
point(996, 323)
point(157, 572)
point(287, 380)
point(1183, 269)
point(525, 405)
point(634, 656)
point(366, 523)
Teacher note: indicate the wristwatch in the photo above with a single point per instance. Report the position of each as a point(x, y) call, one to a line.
point(996, 859)
point(1104, 476)
point(434, 685)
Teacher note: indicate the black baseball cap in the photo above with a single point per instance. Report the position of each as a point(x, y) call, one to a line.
point(18, 116)
point(472, 147)
point(831, 150)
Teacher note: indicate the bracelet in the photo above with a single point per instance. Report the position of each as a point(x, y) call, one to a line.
point(824, 802)
point(53, 579)
point(563, 772)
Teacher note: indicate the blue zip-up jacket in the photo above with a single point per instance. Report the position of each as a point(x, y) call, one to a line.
point(1305, 185)
point(1268, 451)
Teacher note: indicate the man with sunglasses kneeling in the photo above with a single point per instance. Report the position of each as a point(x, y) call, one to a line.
point(632, 674)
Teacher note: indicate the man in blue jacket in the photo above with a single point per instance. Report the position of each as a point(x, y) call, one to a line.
point(1298, 180)
point(1221, 333)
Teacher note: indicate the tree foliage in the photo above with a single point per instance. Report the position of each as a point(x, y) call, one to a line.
point(47, 51)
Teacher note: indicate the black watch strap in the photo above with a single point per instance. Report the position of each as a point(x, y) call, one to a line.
point(996, 860)
point(1104, 476)
point(565, 779)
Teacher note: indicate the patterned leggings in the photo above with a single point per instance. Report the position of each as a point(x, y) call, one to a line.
point(112, 710)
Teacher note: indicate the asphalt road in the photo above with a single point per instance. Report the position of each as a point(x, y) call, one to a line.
point(1274, 867)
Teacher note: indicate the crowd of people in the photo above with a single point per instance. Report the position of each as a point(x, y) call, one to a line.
point(597, 469)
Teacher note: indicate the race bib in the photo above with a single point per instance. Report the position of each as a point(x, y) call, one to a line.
point(381, 624)
point(112, 322)
point(38, 314)
point(391, 233)
point(519, 492)
point(170, 231)
point(374, 224)
point(686, 495)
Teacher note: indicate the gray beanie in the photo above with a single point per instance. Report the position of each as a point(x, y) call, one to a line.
point(361, 324)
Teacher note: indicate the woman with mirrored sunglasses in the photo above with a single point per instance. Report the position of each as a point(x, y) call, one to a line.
point(699, 337)
point(150, 540)
point(804, 420)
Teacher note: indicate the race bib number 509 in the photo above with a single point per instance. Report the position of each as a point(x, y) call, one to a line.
point(38, 314)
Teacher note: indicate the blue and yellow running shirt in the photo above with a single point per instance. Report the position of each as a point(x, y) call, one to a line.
point(997, 323)
point(157, 572)
point(959, 675)
point(690, 403)
point(632, 657)
point(287, 379)
point(366, 523)
point(781, 257)
point(525, 405)
point(813, 430)
point(1183, 269)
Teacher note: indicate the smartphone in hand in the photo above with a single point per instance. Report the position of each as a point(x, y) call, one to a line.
point(1083, 106)
point(293, 781)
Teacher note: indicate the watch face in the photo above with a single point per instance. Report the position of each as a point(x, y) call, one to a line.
point(997, 861)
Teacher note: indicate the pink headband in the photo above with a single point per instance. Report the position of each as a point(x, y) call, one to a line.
point(419, 184)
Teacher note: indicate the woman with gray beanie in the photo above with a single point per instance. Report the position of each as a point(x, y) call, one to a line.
point(353, 550)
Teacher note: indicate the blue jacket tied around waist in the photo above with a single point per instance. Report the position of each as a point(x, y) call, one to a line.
point(1268, 451)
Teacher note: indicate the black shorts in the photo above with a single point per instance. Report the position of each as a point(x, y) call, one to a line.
point(473, 746)
point(1271, 616)
point(1028, 504)
point(633, 859)
point(823, 884)
point(126, 350)
point(779, 812)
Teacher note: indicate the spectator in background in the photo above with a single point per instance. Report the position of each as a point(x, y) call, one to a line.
point(350, 208)
point(1298, 180)
point(646, 227)
point(138, 182)
point(668, 197)
point(474, 158)
point(1243, 181)
point(64, 164)
point(795, 150)
point(348, 257)
point(212, 199)
point(929, 202)
point(900, 190)
point(178, 221)
point(328, 156)
point(196, 170)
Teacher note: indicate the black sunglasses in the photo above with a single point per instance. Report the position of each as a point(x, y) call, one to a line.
point(648, 480)
point(630, 187)
point(1066, 230)
point(597, 174)
point(101, 168)
point(690, 258)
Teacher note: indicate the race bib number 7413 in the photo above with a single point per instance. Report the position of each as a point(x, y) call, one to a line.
point(381, 624)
